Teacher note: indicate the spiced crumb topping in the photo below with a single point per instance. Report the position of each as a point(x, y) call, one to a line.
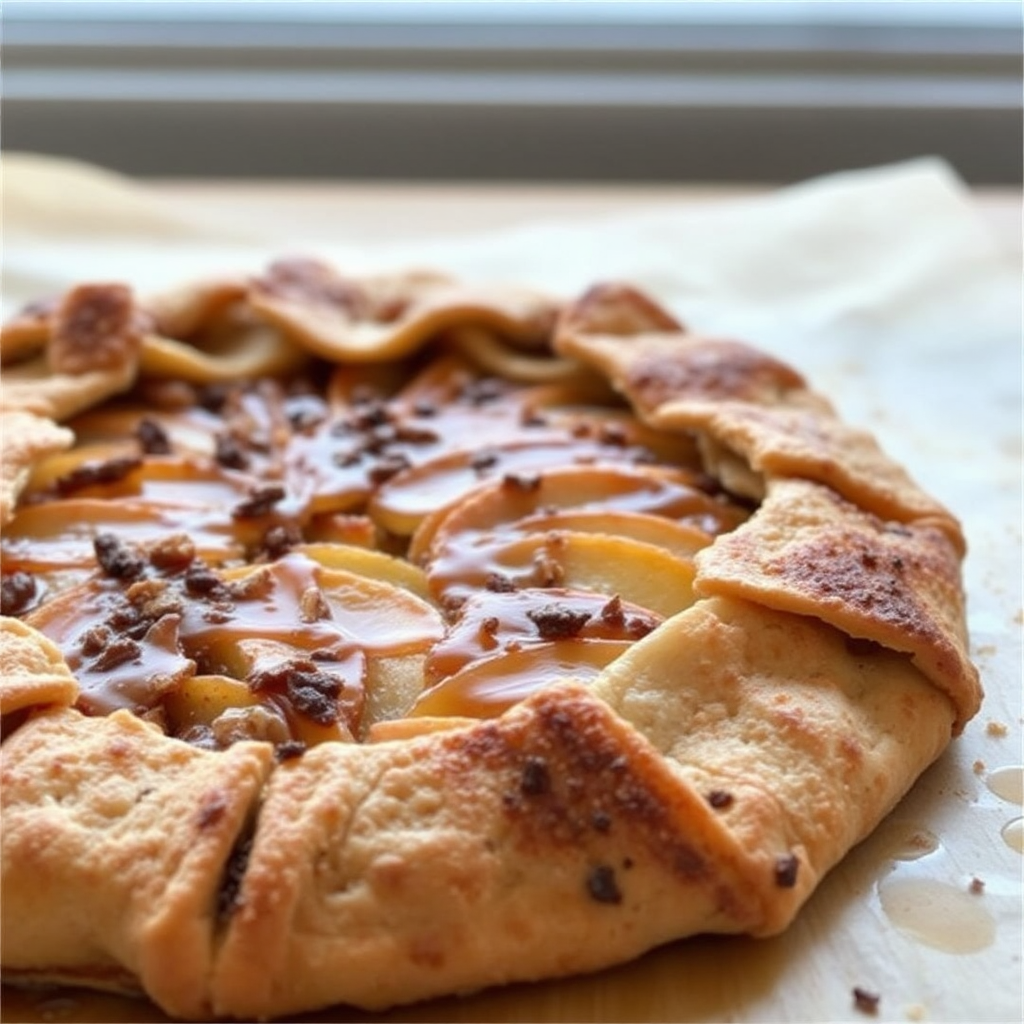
point(172, 554)
point(483, 460)
point(212, 808)
point(482, 391)
point(89, 474)
point(117, 652)
point(313, 606)
point(260, 502)
point(547, 570)
point(386, 467)
point(536, 778)
point(499, 583)
point(787, 866)
point(524, 482)
point(279, 540)
point(557, 623)
point(613, 434)
point(214, 397)
point(252, 587)
point(603, 886)
point(116, 558)
point(720, 799)
point(865, 1001)
point(612, 614)
point(310, 691)
point(305, 412)
point(152, 438)
point(230, 452)
point(289, 750)
point(17, 592)
point(201, 580)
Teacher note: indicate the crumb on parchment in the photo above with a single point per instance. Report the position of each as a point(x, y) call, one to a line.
point(865, 1000)
point(996, 729)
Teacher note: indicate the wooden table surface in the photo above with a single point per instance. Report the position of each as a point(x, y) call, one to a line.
point(797, 976)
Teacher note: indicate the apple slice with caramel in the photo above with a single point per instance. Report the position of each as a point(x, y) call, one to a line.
point(641, 573)
point(54, 542)
point(401, 503)
point(504, 646)
point(300, 639)
point(671, 492)
point(490, 686)
point(375, 565)
point(681, 539)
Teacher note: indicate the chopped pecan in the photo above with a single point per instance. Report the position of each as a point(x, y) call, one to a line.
point(17, 592)
point(556, 622)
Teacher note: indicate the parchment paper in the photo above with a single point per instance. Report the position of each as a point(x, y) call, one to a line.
point(888, 292)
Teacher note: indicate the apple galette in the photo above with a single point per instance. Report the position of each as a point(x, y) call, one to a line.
point(371, 639)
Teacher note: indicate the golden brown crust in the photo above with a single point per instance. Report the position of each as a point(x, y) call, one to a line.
point(31, 387)
point(115, 844)
point(25, 438)
point(804, 735)
point(33, 672)
point(95, 327)
point(387, 317)
point(811, 552)
point(779, 442)
point(533, 830)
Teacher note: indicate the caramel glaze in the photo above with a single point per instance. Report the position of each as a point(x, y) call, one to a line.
point(158, 552)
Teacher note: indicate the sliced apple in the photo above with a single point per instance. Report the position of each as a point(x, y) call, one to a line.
point(59, 535)
point(680, 539)
point(490, 622)
point(189, 431)
point(392, 686)
point(639, 573)
point(606, 486)
point(402, 503)
point(489, 686)
point(116, 666)
point(374, 565)
point(202, 699)
point(342, 528)
point(299, 600)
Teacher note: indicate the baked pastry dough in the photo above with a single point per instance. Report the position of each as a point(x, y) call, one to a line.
point(379, 617)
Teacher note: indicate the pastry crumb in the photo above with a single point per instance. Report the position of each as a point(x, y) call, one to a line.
point(996, 729)
point(976, 886)
point(979, 767)
point(865, 1000)
point(916, 1012)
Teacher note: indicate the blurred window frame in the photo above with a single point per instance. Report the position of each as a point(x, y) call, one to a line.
point(742, 92)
